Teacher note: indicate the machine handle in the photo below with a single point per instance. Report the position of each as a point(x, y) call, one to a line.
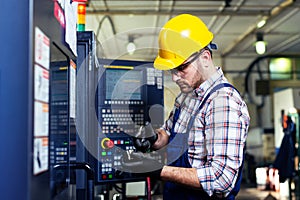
point(90, 175)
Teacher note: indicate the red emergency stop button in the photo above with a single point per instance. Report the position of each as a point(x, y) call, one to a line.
point(107, 143)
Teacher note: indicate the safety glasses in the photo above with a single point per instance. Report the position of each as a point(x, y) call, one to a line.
point(183, 66)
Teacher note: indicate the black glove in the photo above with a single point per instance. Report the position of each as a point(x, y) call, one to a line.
point(141, 164)
point(145, 138)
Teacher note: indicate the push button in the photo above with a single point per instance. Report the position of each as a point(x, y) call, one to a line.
point(107, 143)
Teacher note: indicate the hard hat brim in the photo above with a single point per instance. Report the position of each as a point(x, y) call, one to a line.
point(167, 64)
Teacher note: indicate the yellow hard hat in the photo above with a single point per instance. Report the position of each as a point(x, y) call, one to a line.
point(180, 37)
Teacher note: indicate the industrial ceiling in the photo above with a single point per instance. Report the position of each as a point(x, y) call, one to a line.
point(233, 22)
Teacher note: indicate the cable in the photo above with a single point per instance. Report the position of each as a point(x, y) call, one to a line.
point(118, 188)
point(110, 21)
point(148, 188)
point(249, 71)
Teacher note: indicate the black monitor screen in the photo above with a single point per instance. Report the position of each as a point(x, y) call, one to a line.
point(123, 84)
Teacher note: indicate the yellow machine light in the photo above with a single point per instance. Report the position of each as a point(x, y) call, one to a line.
point(81, 19)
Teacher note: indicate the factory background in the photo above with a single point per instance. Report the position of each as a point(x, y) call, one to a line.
point(63, 120)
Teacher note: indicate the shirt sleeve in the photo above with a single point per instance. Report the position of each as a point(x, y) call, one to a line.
point(226, 126)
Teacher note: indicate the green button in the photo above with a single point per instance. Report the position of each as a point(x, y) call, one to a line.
point(110, 176)
point(103, 153)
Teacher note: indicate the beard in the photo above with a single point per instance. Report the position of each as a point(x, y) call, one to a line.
point(184, 86)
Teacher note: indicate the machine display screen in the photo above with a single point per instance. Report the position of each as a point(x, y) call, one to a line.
point(124, 84)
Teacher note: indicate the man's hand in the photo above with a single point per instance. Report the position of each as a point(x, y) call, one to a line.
point(141, 164)
point(145, 138)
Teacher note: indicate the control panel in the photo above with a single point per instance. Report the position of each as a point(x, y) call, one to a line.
point(125, 100)
point(62, 124)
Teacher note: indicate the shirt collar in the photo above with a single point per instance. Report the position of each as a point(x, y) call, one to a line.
point(206, 85)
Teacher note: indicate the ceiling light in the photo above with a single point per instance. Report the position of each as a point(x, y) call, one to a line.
point(131, 45)
point(260, 47)
point(260, 44)
point(261, 23)
point(131, 48)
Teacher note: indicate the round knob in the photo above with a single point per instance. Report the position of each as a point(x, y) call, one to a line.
point(107, 143)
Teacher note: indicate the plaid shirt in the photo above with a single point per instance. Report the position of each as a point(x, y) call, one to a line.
point(218, 135)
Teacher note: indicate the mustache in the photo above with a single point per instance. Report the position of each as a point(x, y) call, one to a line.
point(181, 82)
point(184, 86)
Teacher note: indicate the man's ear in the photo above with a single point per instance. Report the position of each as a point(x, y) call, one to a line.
point(205, 58)
point(206, 54)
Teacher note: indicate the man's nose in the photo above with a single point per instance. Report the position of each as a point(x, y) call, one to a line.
point(175, 77)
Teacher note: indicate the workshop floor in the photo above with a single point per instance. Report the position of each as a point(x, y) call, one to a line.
point(252, 193)
point(249, 193)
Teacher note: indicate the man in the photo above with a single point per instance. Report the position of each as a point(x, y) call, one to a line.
point(206, 132)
